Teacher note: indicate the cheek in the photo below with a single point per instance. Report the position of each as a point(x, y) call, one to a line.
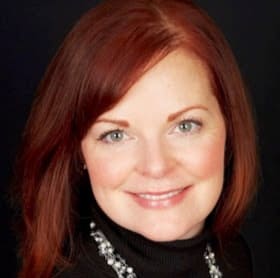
point(108, 170)
point(207, 158)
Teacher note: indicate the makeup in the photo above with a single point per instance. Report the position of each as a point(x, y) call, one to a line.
point(160, 200)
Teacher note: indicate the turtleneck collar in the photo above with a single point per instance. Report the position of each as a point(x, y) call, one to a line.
point(180, 258)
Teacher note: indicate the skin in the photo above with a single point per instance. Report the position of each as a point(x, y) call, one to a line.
point(166, 134)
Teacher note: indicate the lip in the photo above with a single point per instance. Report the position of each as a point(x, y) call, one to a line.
point(160, 200)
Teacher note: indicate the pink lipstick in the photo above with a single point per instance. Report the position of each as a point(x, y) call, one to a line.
point(159, 200)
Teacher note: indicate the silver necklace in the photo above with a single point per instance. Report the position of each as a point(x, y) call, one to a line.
point(123, 270)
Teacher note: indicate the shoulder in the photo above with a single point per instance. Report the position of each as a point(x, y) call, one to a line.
point(236, 258)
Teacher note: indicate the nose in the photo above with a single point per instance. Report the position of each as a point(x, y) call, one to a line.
point(155, 160)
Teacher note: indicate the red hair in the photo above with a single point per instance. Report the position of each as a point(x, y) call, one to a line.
point(105, 53)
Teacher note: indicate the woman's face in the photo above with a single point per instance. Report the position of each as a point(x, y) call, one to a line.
point(156, 160)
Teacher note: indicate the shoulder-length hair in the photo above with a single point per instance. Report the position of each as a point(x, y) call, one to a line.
point(105, 53)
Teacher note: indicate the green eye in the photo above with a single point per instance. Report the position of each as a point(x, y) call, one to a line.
point(112, 136)
point(115, 136)
point(185, 126)
point(188, 126)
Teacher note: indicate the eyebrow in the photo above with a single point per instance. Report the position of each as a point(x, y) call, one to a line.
point(170, 118)
point(175, 115)
point(122, 123)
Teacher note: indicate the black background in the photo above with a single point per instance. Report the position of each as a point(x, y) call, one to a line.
point(31, 31)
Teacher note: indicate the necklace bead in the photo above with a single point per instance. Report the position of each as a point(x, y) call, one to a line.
point(123, 270)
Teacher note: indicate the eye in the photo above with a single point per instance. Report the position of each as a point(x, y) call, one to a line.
point(188, 126)
point(113, 136)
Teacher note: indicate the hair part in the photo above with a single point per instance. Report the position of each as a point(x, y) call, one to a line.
point(107, 51)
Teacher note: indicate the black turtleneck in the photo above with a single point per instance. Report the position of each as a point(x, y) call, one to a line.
point(181, 258)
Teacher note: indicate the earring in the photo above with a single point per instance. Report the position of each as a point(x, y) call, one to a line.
point(84, 166)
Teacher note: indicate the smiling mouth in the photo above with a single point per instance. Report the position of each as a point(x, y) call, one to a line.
point(160, 196)
point(160, 200)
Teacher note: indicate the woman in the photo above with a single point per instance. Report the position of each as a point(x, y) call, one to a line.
point(139, 153)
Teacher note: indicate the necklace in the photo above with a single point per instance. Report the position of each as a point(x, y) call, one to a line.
point(123, 270)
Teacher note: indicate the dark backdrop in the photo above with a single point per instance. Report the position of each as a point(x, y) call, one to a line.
point(31, 32)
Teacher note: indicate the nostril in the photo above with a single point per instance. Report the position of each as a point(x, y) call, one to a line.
point(156, 163)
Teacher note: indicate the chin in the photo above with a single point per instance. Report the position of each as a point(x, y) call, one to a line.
point(164, 234)
point(163, 238)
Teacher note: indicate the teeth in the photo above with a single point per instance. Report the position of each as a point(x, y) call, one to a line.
point(159, 197)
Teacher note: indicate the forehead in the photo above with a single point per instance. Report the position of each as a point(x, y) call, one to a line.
point(179, 79)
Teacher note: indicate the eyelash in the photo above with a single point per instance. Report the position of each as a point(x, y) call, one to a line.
point(103, 136)
point(196, 122)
